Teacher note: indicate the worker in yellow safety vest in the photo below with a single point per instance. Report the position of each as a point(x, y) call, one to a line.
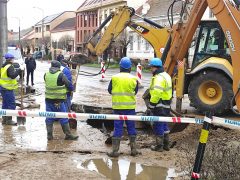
point(56, 84)
point(160, 99)
point(8, 84)
point(123, 87)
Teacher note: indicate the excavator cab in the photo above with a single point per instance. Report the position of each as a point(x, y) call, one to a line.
point(210, 42)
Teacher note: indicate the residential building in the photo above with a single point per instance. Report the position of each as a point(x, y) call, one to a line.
point(155, 10)
point(49, 23)
point(63, 35)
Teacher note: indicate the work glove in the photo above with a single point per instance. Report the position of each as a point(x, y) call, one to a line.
point(57, 105)
point(19, 72)
point(149, 112)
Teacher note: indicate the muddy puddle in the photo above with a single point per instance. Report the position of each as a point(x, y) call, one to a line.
point(121, 169)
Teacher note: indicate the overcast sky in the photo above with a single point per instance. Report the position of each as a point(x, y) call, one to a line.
point(29, 16)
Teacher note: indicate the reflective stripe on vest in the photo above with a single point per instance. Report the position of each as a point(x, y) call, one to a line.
point(123, 91)
point(53, 91)
point(5, 81)
point(161, 89)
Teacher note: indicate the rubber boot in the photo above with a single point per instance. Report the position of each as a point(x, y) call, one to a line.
point(49, 131)
point(4, 120)
point(134, 151)
point(166, 142)
point(10, 122)
point(67, 132)
point(159, 144)
point(115, 147)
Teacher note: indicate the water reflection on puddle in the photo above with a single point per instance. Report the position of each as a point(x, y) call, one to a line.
point(119, 169)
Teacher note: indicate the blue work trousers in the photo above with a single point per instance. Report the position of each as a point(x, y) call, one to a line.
point(118, 124)
point(52, 107)
point(8, 99)
point(161, 128)
point(68, 102)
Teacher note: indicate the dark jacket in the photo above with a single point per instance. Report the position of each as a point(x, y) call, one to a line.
point(62, 80)
point(30, 63)
point(60, 57)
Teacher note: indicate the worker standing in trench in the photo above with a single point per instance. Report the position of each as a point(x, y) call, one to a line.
point(160, 99)
point(123, 87)
point(8, 84)
point(56, 84)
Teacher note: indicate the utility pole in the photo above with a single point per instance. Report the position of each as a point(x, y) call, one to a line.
point(3, 29)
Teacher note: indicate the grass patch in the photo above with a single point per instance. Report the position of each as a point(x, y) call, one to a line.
point(113, 66)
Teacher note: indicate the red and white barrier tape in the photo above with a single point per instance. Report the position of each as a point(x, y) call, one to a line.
point(84, 116)
point(226, 122)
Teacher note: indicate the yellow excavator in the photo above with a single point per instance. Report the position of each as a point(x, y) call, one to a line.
point(210, 75)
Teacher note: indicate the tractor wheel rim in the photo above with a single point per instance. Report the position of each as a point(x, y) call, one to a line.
point(210, 92)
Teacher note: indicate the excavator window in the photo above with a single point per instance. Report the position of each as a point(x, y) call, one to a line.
point(211, 42)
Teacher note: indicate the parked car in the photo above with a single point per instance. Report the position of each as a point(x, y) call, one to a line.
point(37, 55)
point(18, 58)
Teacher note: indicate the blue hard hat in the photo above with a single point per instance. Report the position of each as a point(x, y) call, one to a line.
point(155, 62)
point(8, 56)
point(125, 63)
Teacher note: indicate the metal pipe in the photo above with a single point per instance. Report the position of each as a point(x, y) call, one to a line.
point(3, 29)
point(149, 21)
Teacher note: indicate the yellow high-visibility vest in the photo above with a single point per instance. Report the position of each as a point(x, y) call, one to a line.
point(53, 91)
point(161, 88)
point(123, 91)
point(7, 82)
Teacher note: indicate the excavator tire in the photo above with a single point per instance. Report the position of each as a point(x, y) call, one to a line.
point(210, 91)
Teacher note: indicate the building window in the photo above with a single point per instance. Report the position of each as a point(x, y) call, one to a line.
point(36, 29)
point(47, 27)
point(89, 20)
point(211, 15)
point(139, 41)
point(81, 21)
point(96, 20)
point(147, 45)
point(131, 42)
point(85, 20)
point(77, 36)
point(105, 15)
point(93, 18)
point(81, 36)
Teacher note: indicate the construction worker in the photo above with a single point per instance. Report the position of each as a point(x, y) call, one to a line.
point(123, 87)
point(8, 84)
point(67, 72)
point(56, 84)
point(160, 99)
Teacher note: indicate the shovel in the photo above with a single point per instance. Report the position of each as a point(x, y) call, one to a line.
point(73, 122)
point(21, 120)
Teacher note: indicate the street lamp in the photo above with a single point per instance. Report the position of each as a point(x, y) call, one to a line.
point(42, 23)
point(19, 31)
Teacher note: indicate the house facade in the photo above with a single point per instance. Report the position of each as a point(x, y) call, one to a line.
point(89, 16)
point(63, 35)
point(155, 10)
point(49, 23)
